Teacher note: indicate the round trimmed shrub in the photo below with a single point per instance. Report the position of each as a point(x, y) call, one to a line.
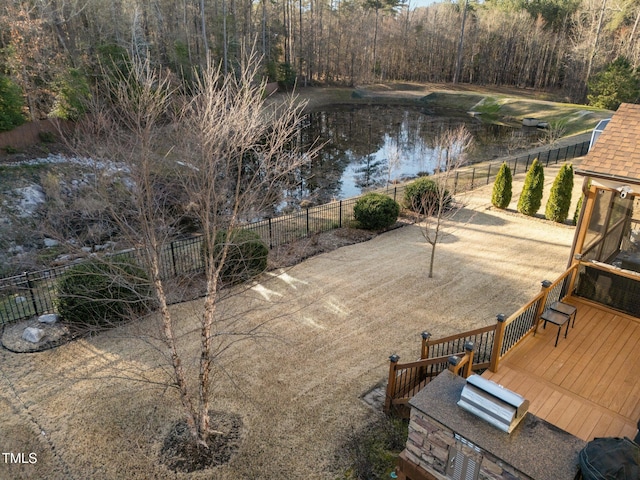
point(502, 187)
point(102, 293)
point(423, 196)
point(375, 211)
point(246, 258)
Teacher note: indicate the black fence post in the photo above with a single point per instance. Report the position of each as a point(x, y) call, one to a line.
point(473, 176)
point(173, 259)
point(307, 221)
point(270, 234)
point(548, 155)
point(526, 167)
point(33, 298)
point(488, 174)
point(340, 213)
point(455, 183)
point(395, 191)
point(515, 166)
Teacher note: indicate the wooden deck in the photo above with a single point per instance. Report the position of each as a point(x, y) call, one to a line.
point(589, 385)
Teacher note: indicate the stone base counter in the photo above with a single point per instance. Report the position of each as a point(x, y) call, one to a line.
point(447, 442)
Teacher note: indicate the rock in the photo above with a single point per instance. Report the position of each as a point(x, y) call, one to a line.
point(32, 334)
point(530, 122)
point(16, 249)
point(49, 318)
point(60, 259)
point(31, 198)
point(21, 299)
point(50, 242)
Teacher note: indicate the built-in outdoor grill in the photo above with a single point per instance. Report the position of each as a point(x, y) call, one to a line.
point(493, 403)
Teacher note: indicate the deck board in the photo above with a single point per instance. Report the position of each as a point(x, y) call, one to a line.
point(588, 385)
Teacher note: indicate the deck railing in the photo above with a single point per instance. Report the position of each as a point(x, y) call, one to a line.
point(512, 330)
point(482, 339)
point(605, 284)
point(407, 379)
point(491, 344)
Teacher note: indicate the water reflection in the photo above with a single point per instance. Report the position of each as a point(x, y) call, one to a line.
point(368, 147)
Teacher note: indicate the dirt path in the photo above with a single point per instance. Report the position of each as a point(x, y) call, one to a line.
point(335, 319)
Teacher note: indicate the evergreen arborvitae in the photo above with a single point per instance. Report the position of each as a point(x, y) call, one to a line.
point(501, 196)
point(531, 196)
point(560, 198)
point(576, 214)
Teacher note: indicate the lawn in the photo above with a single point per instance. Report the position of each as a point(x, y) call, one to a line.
point(99, 408)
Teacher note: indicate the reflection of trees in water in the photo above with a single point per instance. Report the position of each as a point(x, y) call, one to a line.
point(371, 174)
point(376, 141)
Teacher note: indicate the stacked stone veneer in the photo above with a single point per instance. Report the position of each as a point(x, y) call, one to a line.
point(429, 443)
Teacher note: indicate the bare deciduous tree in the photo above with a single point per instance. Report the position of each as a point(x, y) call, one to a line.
point(436, 205)
point(221, 154)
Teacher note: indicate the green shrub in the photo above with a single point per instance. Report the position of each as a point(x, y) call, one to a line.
point(560, 197)
point(531, 196)
point(375, 211)
point(424, 195)
point(246, 257)
point(11, 104)
point(502, 187)
point(11, 150)
point(576, 214)
point(101, 293)
point(72, 93)
point(47, 137)
point(286, 76)
point(374, 448)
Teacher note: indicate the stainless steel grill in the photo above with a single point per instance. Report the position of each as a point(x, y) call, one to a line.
point(493, 403)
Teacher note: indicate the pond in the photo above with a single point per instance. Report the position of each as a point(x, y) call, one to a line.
point(367, 147)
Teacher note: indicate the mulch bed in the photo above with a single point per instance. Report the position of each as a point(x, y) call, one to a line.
point(55, 334)
point(182, 454)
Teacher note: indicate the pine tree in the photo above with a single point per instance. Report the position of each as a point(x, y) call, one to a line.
point(560, 198)
point(618, 83)
point(501, 196)
point(531, 196)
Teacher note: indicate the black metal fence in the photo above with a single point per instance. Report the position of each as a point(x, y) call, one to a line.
point(33, 293)
point(484, 173)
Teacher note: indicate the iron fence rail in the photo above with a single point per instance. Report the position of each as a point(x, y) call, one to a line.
point(33, 293)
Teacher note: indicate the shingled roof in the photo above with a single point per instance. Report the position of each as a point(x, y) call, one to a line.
point(616, 154)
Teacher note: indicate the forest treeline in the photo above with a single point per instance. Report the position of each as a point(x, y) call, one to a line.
point(51, 49)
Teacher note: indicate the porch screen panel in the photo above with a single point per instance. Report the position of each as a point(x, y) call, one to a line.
point(597, 223)
point(612, 243)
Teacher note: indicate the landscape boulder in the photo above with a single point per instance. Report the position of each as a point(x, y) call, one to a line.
point(49, 318)
point(32, 334)
point(50, 242)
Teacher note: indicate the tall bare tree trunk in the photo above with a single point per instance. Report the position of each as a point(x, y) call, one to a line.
point(594, 48)
point(203, 26)
point(456, 73)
